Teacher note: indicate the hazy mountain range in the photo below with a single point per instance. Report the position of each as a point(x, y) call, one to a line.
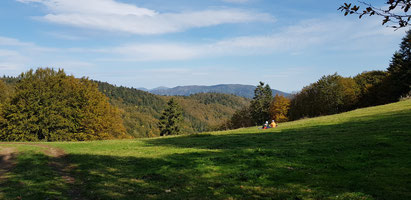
point(235, 89)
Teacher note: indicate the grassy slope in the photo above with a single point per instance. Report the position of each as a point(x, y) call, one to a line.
point(363, 154)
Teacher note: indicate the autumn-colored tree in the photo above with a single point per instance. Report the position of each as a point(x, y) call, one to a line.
point(49, 105)
point(170, 121)
point(350, 91)
point(279, 108)
point(5, 92)
point(4, 95)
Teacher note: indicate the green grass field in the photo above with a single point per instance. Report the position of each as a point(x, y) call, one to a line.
point(363, 154)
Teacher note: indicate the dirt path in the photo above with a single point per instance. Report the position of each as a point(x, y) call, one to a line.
point(58, 162)
point(7, 160)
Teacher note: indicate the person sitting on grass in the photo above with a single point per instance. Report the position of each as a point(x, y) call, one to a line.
point(265, 126)
point(273, 124)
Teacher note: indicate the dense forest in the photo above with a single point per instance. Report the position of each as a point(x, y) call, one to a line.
point(140, 111)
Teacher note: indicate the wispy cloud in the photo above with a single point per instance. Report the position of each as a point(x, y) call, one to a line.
point(64, 36)
point(17, 56)
point(6, 41)
point(110, 15)
point(319, 35)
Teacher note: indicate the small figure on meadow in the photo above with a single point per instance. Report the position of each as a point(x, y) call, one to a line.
point(273, 124)
point(266, 125)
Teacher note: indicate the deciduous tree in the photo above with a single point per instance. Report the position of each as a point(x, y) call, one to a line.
point(373, 88)
point(49, 105)
point(329, 95)
point(4, 95)
point(279, 108)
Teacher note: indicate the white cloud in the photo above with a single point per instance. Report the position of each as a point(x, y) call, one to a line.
point(17, 56)
point(114, 16)
point(15, 43)
point(321, 35)
point(305, 37)
point(145, 52)
point(8, 53)
point(94, 7)
point(6, 41)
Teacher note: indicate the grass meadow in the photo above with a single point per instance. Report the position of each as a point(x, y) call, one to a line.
point(362, 154)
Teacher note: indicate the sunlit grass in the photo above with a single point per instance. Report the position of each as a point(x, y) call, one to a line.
point(363, 154)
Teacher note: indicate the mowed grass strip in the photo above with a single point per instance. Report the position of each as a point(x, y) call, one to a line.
point(363, 154)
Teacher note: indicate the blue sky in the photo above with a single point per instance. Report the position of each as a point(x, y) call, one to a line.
point(150, 43)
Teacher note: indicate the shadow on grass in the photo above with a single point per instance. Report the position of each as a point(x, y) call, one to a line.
point(367, 155)
point(362, 159)
point(32, 178)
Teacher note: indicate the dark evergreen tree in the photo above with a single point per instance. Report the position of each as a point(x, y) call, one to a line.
point(260, 105)
point(170, 120)
point(400, 69)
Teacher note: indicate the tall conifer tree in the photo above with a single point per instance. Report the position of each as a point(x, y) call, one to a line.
point(400, 69)
point(260, 105)
point(170, 121)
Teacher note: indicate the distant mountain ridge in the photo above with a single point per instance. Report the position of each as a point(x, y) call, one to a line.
point(246, 91)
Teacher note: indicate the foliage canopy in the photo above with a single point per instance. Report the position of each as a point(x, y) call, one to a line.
point(279, 108)
point(49, 105)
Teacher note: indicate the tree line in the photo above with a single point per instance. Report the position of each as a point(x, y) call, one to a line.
point(49, 105)
point(332, 94)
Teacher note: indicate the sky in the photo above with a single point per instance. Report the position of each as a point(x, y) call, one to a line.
point(151, 43)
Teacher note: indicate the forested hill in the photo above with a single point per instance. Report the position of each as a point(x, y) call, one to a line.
point(246, 91)
point(141, 110)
